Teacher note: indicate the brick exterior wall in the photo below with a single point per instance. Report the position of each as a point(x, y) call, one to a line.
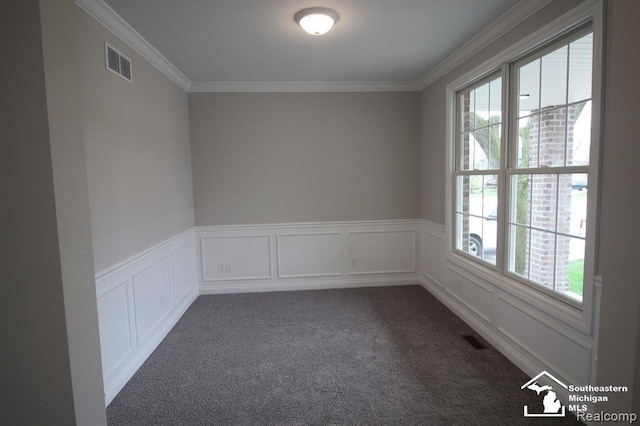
point(550, 197)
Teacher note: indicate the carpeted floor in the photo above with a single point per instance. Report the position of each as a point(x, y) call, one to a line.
point(369, 356)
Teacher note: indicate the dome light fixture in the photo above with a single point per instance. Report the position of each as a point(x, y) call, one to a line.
point(316, 20)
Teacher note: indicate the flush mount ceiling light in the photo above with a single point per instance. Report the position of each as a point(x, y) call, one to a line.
point(316, 20)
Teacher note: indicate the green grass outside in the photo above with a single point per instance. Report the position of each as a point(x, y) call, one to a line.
point(576, 276)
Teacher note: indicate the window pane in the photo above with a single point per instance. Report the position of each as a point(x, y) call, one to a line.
point(580, 182)
point(554, 78)
point(495, 136)
point(482, 104)
point(580, 68)
point(465, 110)
point(462, 231)
point(489, 240)
point(552, 129)
point(519, 237)
point(480, 127)
point(495, 99)
point(487, 147)
point(471, 124)
point(476, 155)
point(565, 203)
point(478, 237)
point(542, 258)
point(476, 195)
point(529, 88)
point(521, 196)
point(573, 203)
point(570, 266)
point(490, 196)
point(469, 234)
point(475, 236)
point(464, 194)
point(544, 205)
point(579, 134)
point(466, 159)
point(528, 141)
point(476, 217)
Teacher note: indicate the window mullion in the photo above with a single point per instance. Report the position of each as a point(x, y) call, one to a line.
point(503, 183)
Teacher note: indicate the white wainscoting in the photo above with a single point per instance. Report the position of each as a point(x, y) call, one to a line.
point(139, 301)
point(533, 338)
point(307, 256)
point(433, 265)
point(235, 250)
point(382, 252)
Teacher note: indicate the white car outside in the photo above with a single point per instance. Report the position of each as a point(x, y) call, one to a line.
point(483, 236)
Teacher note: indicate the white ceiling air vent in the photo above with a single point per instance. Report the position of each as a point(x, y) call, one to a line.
point(117, 63)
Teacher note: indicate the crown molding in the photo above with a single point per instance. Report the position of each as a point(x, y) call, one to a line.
point(507, 21)
point(302, 86)
point(106, 16)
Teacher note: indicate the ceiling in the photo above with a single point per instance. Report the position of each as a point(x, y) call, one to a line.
point(258, 40)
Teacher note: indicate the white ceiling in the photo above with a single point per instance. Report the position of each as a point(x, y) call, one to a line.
point(258, 40)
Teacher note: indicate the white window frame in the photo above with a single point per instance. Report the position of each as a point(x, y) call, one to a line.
point(579, 316)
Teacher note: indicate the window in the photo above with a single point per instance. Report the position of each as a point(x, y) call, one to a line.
point(479, 163)
point(522, 167)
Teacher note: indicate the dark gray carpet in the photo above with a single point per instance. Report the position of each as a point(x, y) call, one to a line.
point(370, 356)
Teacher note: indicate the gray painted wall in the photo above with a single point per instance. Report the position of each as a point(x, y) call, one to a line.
point(35, 376)
point(619, 228)
point(50, 356)
point(59, 37)
point(304, 157)
point(618, 357)
point(137, 148)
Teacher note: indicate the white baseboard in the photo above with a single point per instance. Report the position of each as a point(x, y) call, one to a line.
point(248, 287)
